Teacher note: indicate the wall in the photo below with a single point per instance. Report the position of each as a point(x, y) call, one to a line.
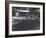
point(2, 19)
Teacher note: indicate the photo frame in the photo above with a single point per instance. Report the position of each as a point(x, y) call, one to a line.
point(24, 18)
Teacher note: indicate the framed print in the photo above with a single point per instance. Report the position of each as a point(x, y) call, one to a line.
point(25, 18)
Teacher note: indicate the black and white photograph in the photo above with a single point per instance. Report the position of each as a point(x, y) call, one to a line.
point(25, 19)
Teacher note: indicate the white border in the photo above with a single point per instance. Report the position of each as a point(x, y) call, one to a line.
point(25, 32)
